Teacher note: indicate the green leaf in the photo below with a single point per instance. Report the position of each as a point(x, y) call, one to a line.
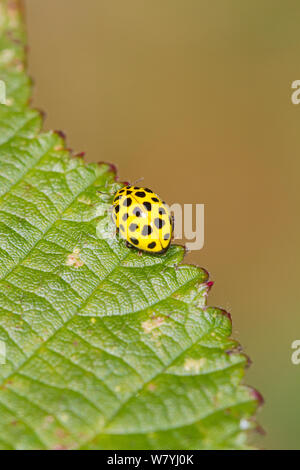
point(105, 349)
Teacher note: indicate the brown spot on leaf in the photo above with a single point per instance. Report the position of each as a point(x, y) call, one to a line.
point(73, 259)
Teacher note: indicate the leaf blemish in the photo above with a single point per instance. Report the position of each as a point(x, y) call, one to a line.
point(194, 365)
point(73, 259)
point(152, 324)
point(48, 420)
point(151, 387)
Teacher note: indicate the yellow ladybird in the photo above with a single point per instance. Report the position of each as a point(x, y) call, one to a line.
point(142, 219)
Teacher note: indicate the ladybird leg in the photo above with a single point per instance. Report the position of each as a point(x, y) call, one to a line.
point(116, 230)
point(102, 192)
point(106, 197)
point(128, 244)
point(114, 233)
point(140, 253)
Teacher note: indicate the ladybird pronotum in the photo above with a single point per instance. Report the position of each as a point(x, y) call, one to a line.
point(142, 219)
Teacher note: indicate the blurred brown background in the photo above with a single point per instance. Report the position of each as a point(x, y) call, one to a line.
point(196, 97)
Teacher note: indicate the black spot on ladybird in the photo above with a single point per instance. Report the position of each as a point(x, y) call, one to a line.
point(128, 191)
point(127, 202)
point(125, 216)
point(147, 205)
point(159, 223)
point(148, 190)
point(134, 241)
point(147, 230)
point(152, 245)
point(140, 194)
point(117, 208)
point(136, 211)
point(161, 211)
point(155, 199)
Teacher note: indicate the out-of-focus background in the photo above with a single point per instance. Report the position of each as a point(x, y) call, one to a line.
point(196, 97)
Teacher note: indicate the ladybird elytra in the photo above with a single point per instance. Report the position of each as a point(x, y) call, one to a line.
point(142, 219)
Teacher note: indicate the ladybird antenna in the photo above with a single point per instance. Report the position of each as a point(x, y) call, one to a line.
point(137, 181)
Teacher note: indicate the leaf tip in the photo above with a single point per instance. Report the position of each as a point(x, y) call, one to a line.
point(226, 314)
point(113, 168)
point(42, 114)
point(209, 285)
point(257, 396)
point(80, 154)
point(61, 134)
